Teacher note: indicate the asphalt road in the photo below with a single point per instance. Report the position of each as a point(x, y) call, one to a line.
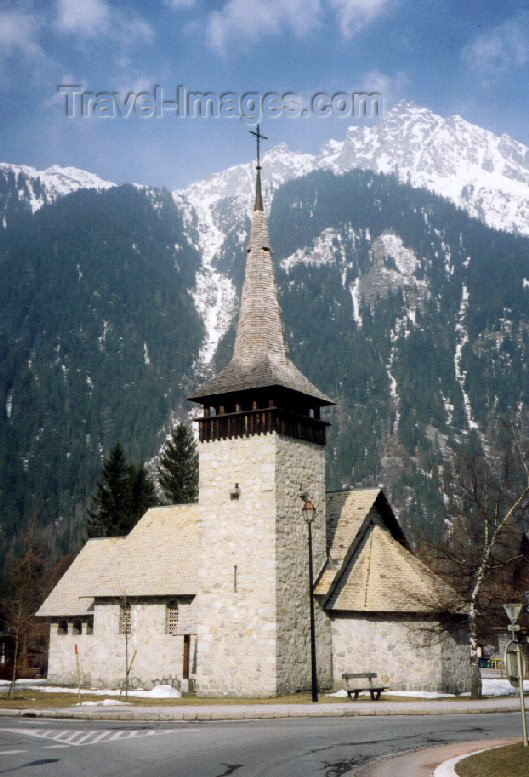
point(327, 747)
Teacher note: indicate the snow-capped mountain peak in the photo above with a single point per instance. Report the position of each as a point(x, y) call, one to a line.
point(486, 175)
point(40, 187)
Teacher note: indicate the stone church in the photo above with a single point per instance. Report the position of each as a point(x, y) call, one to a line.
point(214, 596)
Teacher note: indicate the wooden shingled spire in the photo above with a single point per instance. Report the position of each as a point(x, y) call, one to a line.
point(261, 374)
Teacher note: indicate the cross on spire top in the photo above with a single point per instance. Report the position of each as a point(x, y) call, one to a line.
point(258, 137)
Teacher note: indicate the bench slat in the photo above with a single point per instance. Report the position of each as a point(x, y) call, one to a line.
point(367, 675)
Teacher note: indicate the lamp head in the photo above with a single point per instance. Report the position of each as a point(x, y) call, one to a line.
point(309, 511)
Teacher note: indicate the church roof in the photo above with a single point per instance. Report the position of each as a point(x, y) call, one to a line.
point(260, 357)
point(383, 576)
point(370, 567)
point(347, 514)
point(65, 599)
point(158, 558)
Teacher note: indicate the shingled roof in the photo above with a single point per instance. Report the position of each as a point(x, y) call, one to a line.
point(382, 576)
point(158, 558)
point(68, 598)
point(260, 357)
point(347, 513)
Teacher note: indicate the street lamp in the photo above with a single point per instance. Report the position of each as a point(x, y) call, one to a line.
point(309, 514)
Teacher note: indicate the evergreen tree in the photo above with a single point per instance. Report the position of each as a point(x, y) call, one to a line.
point(112, 501)
point(122, 497)
point(179, 466)
point(143, 493)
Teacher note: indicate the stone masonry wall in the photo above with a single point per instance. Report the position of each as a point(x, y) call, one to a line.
point(299, 463)
point(236, 612)
point(159, 655)
point(253, 635)
point(395, 648)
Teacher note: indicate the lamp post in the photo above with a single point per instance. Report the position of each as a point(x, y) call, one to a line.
point(309, 513)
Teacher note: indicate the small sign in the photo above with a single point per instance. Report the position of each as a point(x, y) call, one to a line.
point(511, 662)
point(513, 611)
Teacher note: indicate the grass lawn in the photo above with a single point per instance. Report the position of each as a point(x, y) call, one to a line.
point(510, 761)
point(33, 699)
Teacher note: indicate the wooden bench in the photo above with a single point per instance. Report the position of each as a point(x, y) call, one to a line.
point(357, 680)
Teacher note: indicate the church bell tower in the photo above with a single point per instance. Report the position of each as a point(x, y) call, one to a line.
point(261, 444)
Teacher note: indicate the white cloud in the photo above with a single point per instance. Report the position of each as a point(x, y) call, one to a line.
point(246, 21)
point(94, 18)
point(19, 32)
point(390, 87)
point(353, 15)
point(89, 17)
point(501, 48)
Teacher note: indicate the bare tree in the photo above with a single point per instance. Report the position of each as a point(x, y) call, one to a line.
point(488, 509)
point(24, 595)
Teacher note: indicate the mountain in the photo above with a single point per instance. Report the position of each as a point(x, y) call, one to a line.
point(98, 331)
point(400, 301)
point(24, 187)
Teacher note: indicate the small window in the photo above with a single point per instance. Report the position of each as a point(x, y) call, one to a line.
point(171, 618)
point(90, 626)
point(125, 619)
point(62, 627)
point(76, 627)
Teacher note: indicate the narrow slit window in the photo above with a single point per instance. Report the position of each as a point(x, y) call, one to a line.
point(125, 619)
point(235, 579)
point(171, 618)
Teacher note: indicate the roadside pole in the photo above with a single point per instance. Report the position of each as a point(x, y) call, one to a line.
point(520, 688)
point(515, 674)
point(78, 672)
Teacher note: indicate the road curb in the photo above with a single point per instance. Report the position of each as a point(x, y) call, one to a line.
point(157, 715)
point(447, 768)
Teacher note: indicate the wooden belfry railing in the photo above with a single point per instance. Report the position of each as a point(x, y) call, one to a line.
point(262, 421)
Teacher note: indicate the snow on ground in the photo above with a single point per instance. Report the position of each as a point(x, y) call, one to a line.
point(103, 703)
point(490, 688)
point(158, 692)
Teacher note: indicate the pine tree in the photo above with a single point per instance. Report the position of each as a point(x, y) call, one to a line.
point(179, 466)
point(122, 497)
point(143, 493)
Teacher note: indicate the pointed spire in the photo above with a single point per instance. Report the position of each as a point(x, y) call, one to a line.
point(260, 354)
point(258, 193)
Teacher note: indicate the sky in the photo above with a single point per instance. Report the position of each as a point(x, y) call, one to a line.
point(466, 57)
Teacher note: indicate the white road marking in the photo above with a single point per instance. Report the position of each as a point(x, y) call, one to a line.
point(12, 752)
point(80, 737)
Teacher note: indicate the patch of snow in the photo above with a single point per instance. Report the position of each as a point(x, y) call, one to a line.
point(9, 403)
point(146, 359)
point(461, 340)
point(355, 294)
point(55, 181)
point(158, 692)
point(103, 703)
point(411, 694)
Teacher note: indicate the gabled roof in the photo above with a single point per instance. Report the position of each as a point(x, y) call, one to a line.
point(65, 599)
point(348, 513)
point(158, 558)
point(382, 576)
point(260, 356)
